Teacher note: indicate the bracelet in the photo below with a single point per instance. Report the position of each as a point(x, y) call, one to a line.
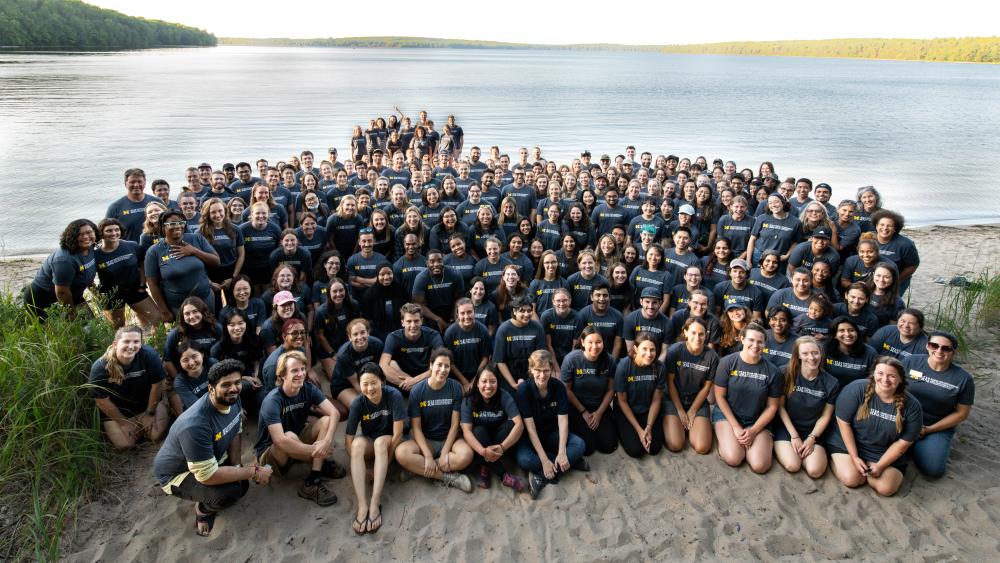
point(813, 436)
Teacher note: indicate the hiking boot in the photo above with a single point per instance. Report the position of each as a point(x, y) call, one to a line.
point(535, 485)
point(459, 481)
point(318, 493)
point(513, 482)
point(483, 479)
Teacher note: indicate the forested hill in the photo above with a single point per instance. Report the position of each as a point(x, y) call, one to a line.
point(955, 49)
point(71, 24)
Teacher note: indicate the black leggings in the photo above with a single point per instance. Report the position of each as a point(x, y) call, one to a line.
point(630, 440)
point(604, 439)
point(488, 438)
point(212, 498)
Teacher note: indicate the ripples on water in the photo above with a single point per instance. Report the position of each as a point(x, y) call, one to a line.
point(71, 123)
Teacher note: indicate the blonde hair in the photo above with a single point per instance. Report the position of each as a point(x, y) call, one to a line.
point(283, 364)
point(539, 359)
point(116, 373)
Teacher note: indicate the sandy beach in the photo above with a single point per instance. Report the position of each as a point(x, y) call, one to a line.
point(673, 506)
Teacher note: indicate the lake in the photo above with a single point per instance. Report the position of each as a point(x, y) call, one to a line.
point(926, 134)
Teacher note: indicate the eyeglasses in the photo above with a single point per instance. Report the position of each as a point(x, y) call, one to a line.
point(175, 224)
point(934, 346)
point(297, 333)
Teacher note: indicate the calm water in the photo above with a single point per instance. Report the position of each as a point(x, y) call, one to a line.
point(926, 134)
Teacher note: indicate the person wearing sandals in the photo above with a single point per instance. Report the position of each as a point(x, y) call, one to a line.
point(285, 435)
point(435, 449)
point(492, 425)
point(379, 412)
point(200, 459)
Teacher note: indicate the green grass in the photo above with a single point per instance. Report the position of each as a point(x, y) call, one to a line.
point(52, 454)
point(966, 310)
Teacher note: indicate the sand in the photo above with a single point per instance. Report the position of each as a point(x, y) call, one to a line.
point(673, 506)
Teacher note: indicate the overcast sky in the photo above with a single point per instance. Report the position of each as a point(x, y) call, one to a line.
point(581, 21)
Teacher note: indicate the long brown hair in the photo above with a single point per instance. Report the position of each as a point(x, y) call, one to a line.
point(116, 373)
point(899, 398)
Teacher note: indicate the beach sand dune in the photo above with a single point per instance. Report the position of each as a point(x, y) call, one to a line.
point(673, 506)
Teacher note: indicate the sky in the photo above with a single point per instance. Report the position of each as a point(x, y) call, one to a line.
point(641, 22)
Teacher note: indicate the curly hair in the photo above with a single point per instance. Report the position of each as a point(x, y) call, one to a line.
point(67, 240)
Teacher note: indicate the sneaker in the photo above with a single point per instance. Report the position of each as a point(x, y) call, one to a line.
point(535, 485)
point(459, 481)
point(513, 482)
point(483, 479)
point(582, 465)
point(318, 493)
point(405, 475)
point(332, 470)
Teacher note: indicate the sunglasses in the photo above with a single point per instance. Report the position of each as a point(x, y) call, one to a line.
point(934, 346)
point(366, 231)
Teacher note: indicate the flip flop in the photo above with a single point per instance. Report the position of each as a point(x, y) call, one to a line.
point(208, 519)
point(360, 527)
point(372, 526)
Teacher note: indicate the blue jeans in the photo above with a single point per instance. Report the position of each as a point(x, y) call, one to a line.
point(528, 459)
point(930, 453)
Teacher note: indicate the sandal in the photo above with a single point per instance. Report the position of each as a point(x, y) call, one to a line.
point(207, 519)
point(360, 527)
point(375, 523)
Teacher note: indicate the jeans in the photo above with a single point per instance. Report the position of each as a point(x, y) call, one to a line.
point(930, 453)
point(528, 459)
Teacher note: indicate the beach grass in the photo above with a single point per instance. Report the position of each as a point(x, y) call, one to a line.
point(52, 453)
point(968, 307)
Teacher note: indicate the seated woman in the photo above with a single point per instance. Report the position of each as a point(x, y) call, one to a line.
point(690, 367)
point(239, 342)
point(747, 393)
point(848, 358)
point(492, 425)
point(66, 273)
point(130, 406)
point(435, 449)
point(354, 354)
point(589, 378)
point(639, 384)
point(806, 410)
point(191, 381)
point(877, 422)
point(196, 325)
point(547, 447)
point(379, 412)
point(946, 393)
point(515, 340)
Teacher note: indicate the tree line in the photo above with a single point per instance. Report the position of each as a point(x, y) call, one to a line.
point(952, 49)
point(71, 24)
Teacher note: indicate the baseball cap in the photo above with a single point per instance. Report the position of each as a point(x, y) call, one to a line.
point(651, 293)
point(205, 165)
point(821, 232)
point(739, 263)
point(686, 209)
point(282, 297)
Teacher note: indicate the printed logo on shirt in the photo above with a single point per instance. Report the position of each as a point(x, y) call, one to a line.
point(521, 338)
point(747, 374)
point(647, 377)
point(919, 376)
point(813, 392)
point(413, 350)
point(373, 415)
point(466, 341)
point(292, 408)
point(436, 403)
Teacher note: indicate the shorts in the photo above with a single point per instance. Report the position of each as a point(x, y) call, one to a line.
point(119, 297)
point(717, 416)
point(337, 388)
point(265, 457)
point(436, 446)
point(781, 433)
point(670, 409)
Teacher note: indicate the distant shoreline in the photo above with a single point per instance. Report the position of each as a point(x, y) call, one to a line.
point(977, 50)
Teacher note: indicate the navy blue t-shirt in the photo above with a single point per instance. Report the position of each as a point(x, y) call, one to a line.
point(376, 420)
point(545, 411)
point(748, 386)
point(413, 357)
point(290, 412)
point(434, 407)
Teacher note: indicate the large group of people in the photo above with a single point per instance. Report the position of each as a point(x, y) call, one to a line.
point(475, 317)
